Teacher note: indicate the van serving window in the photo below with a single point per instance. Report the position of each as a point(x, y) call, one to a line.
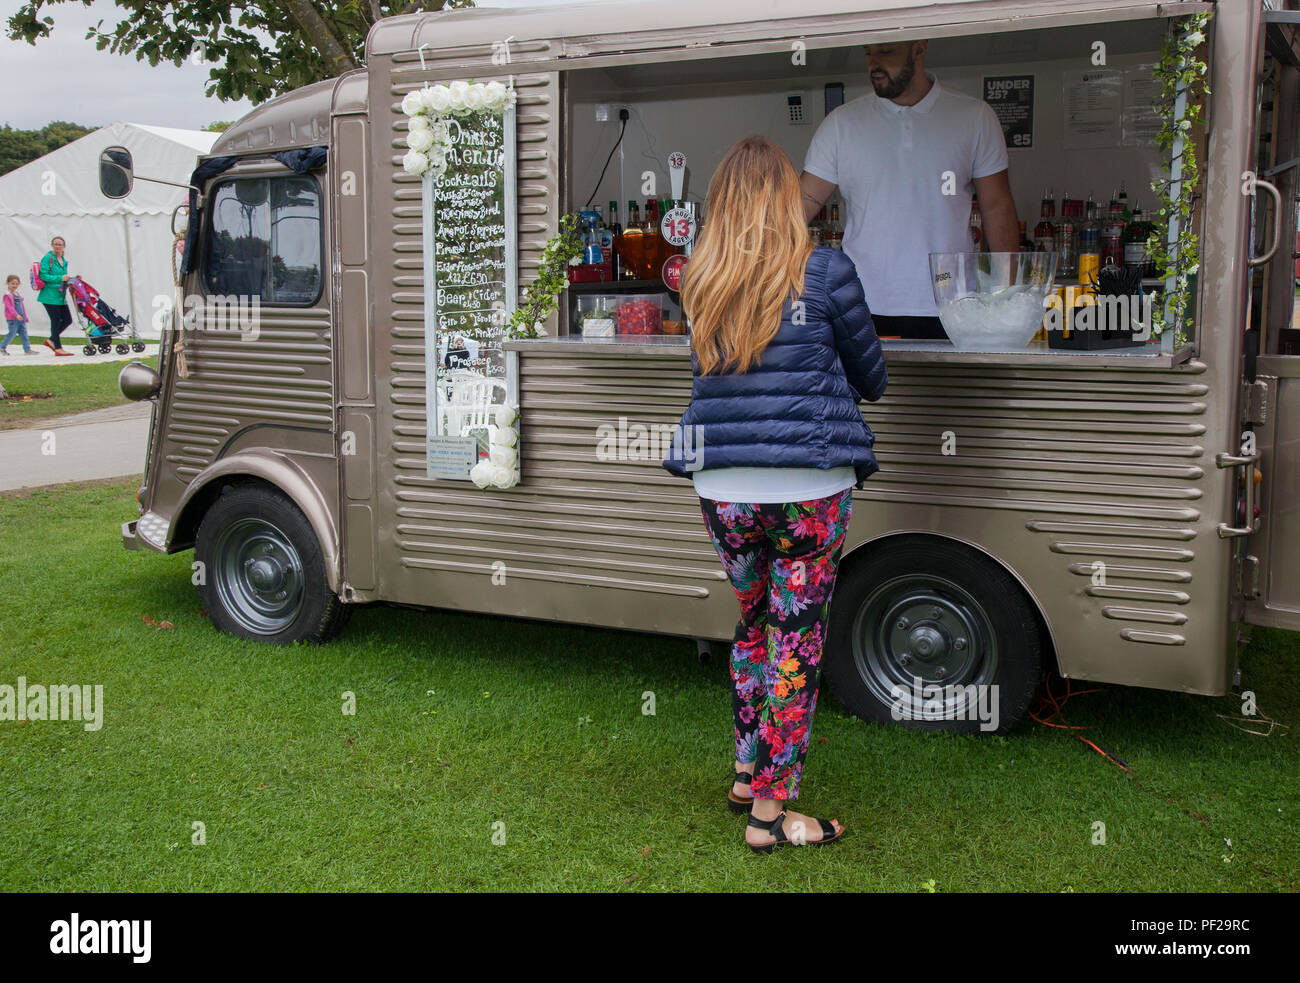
point(265, 240)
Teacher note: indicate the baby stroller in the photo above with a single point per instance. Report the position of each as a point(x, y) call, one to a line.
point(100, 322)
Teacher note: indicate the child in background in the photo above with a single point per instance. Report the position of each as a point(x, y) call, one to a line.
point(15, 316)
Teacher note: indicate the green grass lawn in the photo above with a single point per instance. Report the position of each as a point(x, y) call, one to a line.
point(463, 722)
point(73, 388)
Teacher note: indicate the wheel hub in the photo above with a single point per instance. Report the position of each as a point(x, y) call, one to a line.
point(266, 575)
point(927, 643)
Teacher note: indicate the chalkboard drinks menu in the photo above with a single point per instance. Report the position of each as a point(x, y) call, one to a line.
point(470, 277)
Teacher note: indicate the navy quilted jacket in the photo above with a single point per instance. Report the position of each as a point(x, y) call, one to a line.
point(798, 407)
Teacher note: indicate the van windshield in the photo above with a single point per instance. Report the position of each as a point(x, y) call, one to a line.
point(265, 240)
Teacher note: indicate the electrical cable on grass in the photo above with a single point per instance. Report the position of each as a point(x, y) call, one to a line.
point(1260, 719)
point(1057, 706)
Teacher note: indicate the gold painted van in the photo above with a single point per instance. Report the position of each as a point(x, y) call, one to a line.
point(1095, 513)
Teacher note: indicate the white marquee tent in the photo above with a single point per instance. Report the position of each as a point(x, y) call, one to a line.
point(122, 246)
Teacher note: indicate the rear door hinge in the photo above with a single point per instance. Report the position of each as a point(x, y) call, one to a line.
point(1254, 402)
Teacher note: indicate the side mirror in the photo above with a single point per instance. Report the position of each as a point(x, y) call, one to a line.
point(115, 172)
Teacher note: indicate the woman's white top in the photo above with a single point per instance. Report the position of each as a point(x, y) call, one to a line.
point(767, 486)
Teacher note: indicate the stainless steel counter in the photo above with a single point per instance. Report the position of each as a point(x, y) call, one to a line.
point(1144, 356)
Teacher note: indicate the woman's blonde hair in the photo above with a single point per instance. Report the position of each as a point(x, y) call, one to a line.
point(749, 259)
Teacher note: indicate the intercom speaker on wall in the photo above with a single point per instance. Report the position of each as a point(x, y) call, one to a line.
point(794, 101)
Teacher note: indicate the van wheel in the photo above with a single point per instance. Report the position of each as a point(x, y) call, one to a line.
point(930, 609)
point(264, 570)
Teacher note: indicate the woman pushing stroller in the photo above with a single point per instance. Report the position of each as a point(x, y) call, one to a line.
point(54, 275)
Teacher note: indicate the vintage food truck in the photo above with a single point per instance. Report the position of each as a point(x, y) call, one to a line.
point(1115, 515)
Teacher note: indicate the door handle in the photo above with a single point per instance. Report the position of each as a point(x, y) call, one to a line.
point(1227, 531)
point(1277, 222)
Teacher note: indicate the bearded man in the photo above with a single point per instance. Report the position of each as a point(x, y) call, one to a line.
point(906, 159)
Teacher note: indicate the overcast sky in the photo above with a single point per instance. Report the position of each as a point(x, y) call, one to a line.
point(64, 77)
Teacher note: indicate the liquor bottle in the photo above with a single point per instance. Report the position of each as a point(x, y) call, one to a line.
point(613, 218)
point(634, 240)
point(650, 261)
point(1087, 215)
point(1123, 204)
point(1111, 240)
point(1044, 234)
point(1136, 257)
point(607, 239)
point(835, 231)
point(976, 226)
point(817, 228)
point(1089, 246)
point(1067, 259)
point(1026, 244)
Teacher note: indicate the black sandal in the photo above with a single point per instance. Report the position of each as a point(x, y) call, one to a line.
point(734, 802)
point(776, 828)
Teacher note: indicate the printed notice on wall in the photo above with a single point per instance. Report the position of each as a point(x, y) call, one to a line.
point(1092, 108)
point(1012, 99)
point(470, 288)
point(1141, 123)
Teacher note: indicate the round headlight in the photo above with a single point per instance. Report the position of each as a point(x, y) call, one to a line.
point(139, 381)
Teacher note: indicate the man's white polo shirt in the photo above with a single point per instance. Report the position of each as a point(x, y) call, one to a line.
point(893, 164)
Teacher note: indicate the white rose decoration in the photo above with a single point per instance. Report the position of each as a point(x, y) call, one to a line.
point(437, 100)
point(499, 476)
point(507, 457)
point(474, 98)
point(418, 122)
point(413, 102)
point(505, 437)
point(416, 163)
point(479, 474)
point(494, 96)
point(441, 133)
point(504, 416)
point(456, 93)
point(420, 140)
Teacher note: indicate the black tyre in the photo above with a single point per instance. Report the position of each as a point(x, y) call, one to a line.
point(137, 346)
point(264, 572)
point(927, 609)
point(121, 349)
point(88, 349)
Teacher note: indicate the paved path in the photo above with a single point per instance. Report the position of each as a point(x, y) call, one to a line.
point(17, 358)
point(106, 443)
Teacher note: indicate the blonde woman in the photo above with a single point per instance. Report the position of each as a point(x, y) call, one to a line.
point(783, 350)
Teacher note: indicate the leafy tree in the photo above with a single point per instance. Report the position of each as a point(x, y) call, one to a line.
point(310, 39)
point(220, 126)
point(19, 147)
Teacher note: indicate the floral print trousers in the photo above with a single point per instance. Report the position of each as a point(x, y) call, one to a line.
point(781, 560)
